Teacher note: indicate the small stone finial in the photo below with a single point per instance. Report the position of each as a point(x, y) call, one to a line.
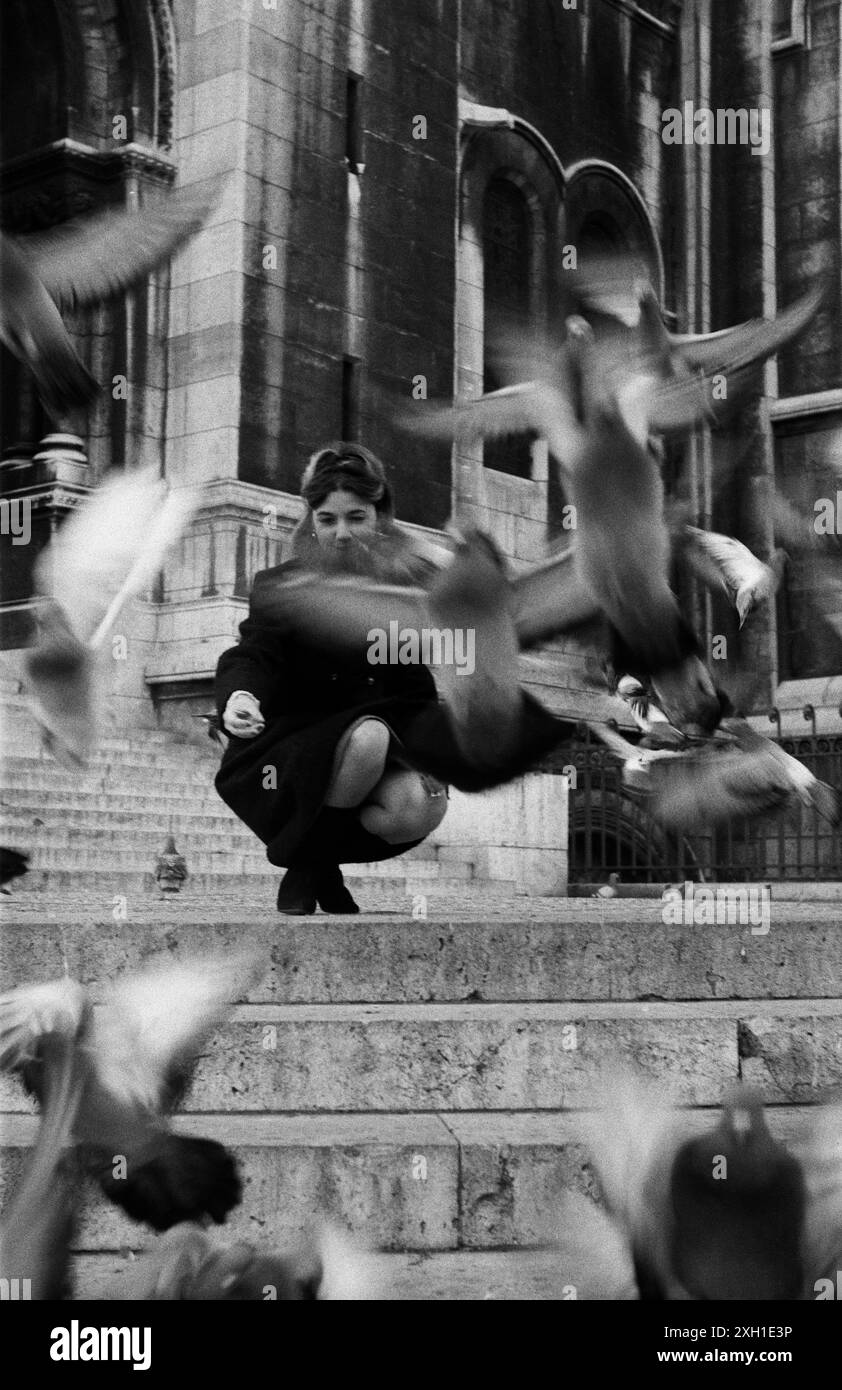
point(170, 868)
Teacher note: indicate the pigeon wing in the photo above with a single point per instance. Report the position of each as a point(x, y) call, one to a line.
point(337, 614)
point(634, 1138)
point(89, 260)
point(550, 599)
point(32, 1013)
point(749, 343)
point(110, 549)
point(679, 404)
point(529, 407)
point(155, 1022)
point(715, 784)
point(819, 1151)
point(619, 746)
point(736, 564)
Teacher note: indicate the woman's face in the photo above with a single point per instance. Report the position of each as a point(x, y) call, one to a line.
point(344, 517)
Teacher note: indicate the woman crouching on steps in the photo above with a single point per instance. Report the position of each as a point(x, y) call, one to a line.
point(314, 762)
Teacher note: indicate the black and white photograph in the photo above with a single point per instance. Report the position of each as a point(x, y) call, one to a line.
point(421, 663)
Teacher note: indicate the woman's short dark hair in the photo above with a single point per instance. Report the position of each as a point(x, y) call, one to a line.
point(343, 467)
point(391, 556)
point(347, 468)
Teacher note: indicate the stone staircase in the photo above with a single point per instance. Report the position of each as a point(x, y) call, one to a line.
point(421, 1078)
point(102, 829)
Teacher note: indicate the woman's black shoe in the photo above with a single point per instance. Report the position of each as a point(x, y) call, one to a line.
point(297, 893)
point(331, 892)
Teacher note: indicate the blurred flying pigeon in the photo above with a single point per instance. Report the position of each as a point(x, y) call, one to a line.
point(619, 559)
point(597, 399)
point(132, 1061)
point(716, 1216)
point(684, 373)
point(105, 553)
point(738, 1204)
point(652, 722)
point(723, 561)
point(638, 761)
point(170, 868)
point(38, 1220)
point(78, 263)
point(736, 773)
point(487, 728)
point(188, 1265)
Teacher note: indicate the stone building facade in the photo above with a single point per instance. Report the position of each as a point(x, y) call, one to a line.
point(395, 176)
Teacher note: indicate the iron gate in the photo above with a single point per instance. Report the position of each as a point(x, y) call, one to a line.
point(610, 830)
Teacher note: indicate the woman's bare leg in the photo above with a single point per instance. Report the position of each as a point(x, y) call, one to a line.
point(401, 809)
point(359, 764)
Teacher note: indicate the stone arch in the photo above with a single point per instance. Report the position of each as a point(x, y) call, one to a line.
point(513, 508)
point(601, 197)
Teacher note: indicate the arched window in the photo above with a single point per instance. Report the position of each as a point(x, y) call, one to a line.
point(507, 256)
point(599, 235)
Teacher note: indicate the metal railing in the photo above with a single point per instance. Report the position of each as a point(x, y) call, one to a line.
point(610, 830)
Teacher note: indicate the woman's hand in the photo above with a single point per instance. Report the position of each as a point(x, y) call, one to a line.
point(242, 716)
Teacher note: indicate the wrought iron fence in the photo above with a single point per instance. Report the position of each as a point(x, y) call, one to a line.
point(610, 830)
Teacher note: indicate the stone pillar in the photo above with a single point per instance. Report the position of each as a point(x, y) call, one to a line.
point(742, 286)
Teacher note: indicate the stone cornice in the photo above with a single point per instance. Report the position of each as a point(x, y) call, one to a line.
point(813, 403)
point(665, 27)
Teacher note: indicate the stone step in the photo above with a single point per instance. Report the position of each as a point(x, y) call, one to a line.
point(140, 779)
point(185, 801)
point(100, 885)
point(566, 954)
point(481, 1056)
point(141, 835)
point(400, 1181)
point(28, 741)
point(50, 822)
point(124, 859)
point(190, 813)
point(107, 842)
point(451, 1276)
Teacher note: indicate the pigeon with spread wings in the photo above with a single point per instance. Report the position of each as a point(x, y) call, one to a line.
point(105, 553)
point(597, 400)
point(37, 1223)
point(722, 561)
point(78, 263)
point(132, 1059)
point(487, 729)
point(619, 561)
point(737, 773)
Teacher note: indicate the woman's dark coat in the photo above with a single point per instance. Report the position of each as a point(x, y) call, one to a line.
point(308, 699)
point(277, 781)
